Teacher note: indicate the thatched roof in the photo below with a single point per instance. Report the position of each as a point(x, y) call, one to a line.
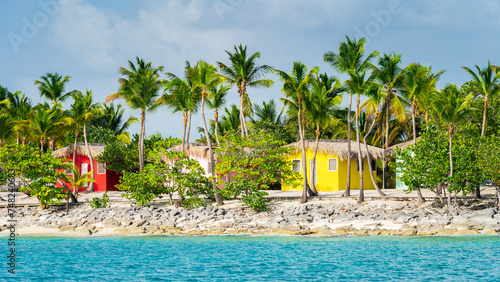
point(193, 149)
point(95, 149)
point(392, 150)
point(339, 148)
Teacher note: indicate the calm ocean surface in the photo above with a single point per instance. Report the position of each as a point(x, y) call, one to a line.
point(247, 258)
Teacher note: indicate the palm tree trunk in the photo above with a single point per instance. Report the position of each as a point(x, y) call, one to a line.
point(74, 162)
point(141, 141)
point(360, 157)
point(189, 127)
point(216, 117)
point(90, 188)
point(413, 106)
point(303, 198)
point(313, 166)
point(347, 191)
point(387, 116)
point(18, 138)
point(184, 133)
point(483, 128)
point(218, 198)
point(369, 157)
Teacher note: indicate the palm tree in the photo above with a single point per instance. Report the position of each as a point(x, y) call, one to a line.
point(414, 75)
point(140, 89)
point(6, 128)
point(488, 82)
point(89, 110)
point(80, 181)
point(205, 77)
point(20, 112)
point(52, 86)
point(268, 111)
point(428, 93)
point(46, 124)
point(243, 72)
point(320, 106)
point(297, 85)
point(217, 100)
point(112, 118)
point(372, 108)
point(350, 60)
point(231, 120)
point(453, 108)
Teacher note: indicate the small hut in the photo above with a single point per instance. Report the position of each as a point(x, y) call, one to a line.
point(197, 151)
point(106, 180)
point(331, 164)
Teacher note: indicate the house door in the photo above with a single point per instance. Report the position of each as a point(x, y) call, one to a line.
point(313, 175)
point(85, 169)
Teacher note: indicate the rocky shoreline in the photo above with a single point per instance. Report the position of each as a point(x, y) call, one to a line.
point(318, 218)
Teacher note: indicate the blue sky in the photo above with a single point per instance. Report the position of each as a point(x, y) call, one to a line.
point(90, 39)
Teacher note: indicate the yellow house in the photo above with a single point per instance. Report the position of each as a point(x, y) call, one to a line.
point(331, 164)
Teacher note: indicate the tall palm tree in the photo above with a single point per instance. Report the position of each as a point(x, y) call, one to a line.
point(372, 108)
point(453, 108)
point(412, 84)
point(350, 60)
point(52, 86)
point(320, 106)
point(215, 102)
point(89, 110)
point(243, 73)
point(489, 84)
point(297, 84)
point(140, 88)
point(205, 77)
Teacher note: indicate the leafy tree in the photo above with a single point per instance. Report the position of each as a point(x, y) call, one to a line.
point(112, 118)
point(38, 171)
point(243, 73)
point(177, 173)
point(424, 164)
point(248, 165)
point(140, 88)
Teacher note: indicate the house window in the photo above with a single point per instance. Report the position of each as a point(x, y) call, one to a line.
point(101, 169)
point(85, 169)
point(362, 166)
point(374, 165)
point(296, 165)
point(332, 164)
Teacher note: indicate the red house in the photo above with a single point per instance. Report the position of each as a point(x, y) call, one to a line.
point(106, 180)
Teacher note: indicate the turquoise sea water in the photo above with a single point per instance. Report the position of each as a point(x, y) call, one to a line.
point(248, 258)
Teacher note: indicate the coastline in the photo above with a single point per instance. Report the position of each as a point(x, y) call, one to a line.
point(319, 217)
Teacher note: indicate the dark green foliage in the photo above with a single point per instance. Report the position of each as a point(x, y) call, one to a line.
point(178, 174)
point(426, 163)
point(37, 171)
point(247, 165)
point(100, 203)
